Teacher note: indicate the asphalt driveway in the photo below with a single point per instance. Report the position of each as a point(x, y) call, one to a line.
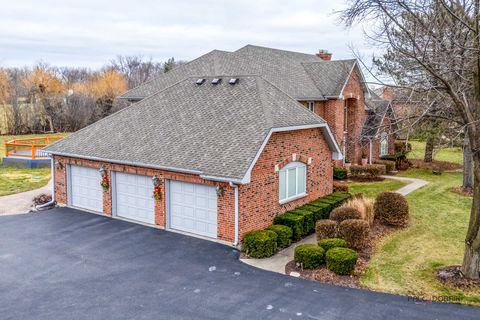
point(66, 264)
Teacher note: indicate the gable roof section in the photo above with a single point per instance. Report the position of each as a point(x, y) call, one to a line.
point(330, 77)
point(302, 76)
point(216, 131)
point(377, 109)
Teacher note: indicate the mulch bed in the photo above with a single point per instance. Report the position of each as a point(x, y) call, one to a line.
point(365, 179)
point(462, 191)
point(322, 274)
point(452, 276)
point(439, 165)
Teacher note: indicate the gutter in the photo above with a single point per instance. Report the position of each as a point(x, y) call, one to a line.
point(52, 202)
point(235, 240)
point(371, 151)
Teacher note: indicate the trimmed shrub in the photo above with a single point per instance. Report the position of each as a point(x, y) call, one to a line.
point(370, 171)
point(317, 211)
point(260, 244)
point(294, 221)
point(330, 243)
point(402, 146)
point(340, 186)
point(391, 208)
point(309, 256)
point(354, 231)
point(308, 221)
point(363, 205)
point(339, 173)
point(344, 213)
point(389, 165)
point(325, 229)
point(401, 161)
point(284, 235)
point(342, 261)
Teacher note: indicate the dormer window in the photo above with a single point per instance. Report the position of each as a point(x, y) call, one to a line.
point(311, 106)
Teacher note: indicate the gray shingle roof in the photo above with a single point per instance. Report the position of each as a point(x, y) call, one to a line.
point(377, 109)
point(213, 130)
point(302, 76)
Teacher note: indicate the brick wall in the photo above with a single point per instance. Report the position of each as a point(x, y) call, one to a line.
point(259, 200)
point(225, 204)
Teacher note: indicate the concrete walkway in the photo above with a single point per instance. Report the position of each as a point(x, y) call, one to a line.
point(414, 184)
point(22, 202)
point(277, 262)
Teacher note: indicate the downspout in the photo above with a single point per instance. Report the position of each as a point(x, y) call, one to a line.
point(235, 189)
point(51, 202)
point(370, 151)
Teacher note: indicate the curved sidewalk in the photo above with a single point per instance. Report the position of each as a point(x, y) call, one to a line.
point(278, 261)
point(22, 202)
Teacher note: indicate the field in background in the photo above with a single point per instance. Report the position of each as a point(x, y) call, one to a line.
point(15, 180)
point(451, 154)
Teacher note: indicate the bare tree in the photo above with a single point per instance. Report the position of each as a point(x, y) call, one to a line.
point(435, 45)
point(136, 69)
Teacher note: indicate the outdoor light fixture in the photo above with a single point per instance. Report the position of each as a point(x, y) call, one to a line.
point(59, 165)
point(220, 190)
point(156, 181)
point(102, 171)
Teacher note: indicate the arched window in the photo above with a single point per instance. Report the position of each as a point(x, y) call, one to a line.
point(292, 181)
point(383, 144)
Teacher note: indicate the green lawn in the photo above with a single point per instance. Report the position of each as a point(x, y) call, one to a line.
point(406, 261)
point(371, 189)
point(15, 180)
point(444, 154)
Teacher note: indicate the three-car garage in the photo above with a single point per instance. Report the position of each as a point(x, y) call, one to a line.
point(189, 207)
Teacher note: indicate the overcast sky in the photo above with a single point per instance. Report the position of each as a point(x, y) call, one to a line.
point(89, 33)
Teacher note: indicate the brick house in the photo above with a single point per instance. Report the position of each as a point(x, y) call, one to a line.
point(222, 155)
point(333, 89)
point(380, 128)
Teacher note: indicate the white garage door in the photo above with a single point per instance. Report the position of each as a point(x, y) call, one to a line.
point(193, 208)
point(86, 191)
point(134, 197)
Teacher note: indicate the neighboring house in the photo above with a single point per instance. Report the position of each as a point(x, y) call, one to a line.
point(380, 128)
point(222, 154)
point(333, 89)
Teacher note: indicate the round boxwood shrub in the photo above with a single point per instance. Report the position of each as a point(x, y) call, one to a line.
point(344, 213)
point(260, 244)
point(330, 243)
point(391, 208)
point(284, 235)
point(310, 256)
point(325, 229)
point(354, 231)
point(342, 261)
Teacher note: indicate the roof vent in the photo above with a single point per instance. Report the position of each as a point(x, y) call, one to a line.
point(216, 80)
point(233, 81)
point(200, 81)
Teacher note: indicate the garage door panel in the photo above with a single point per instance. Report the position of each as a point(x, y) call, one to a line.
point(86, 191)
point(133, 197)
point(193, 208)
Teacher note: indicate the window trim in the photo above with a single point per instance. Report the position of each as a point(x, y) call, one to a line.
point(311, 106)
point(292, 165)
point(383, 137)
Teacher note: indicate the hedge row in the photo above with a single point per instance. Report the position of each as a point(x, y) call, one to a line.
point(302, 220)
point(291, 225)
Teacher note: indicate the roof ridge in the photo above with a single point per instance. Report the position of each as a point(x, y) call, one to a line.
point(275, 49)
point(180, 66)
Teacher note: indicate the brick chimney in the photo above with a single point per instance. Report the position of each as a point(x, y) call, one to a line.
point(324, 55)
